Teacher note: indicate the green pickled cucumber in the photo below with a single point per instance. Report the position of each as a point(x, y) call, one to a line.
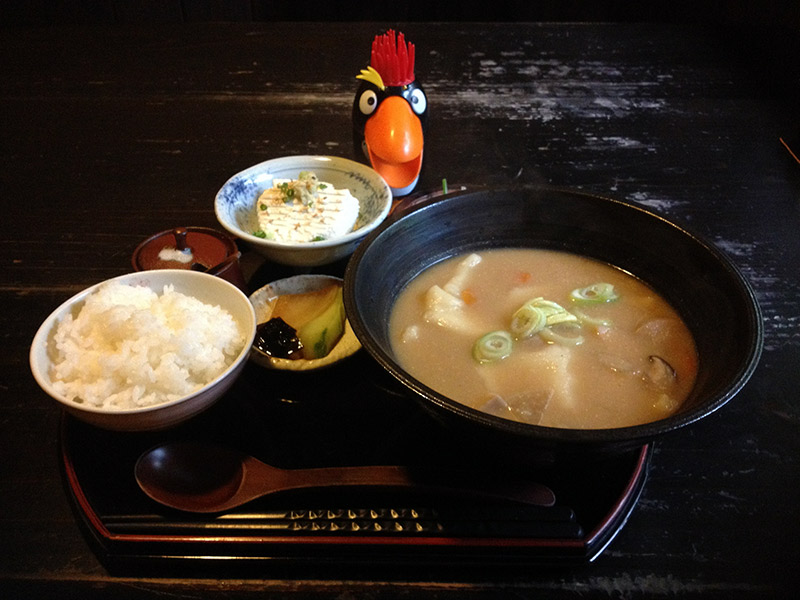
point(320, 334)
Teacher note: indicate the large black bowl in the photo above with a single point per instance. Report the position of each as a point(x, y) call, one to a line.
point(706, 288)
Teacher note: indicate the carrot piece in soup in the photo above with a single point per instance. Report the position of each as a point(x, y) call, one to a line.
point(468, 297)
point(523, 277)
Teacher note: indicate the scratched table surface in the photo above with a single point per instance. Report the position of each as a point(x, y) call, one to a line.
point(112, 134)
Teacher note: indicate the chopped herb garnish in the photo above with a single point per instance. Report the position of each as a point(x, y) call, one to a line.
point(303, 189)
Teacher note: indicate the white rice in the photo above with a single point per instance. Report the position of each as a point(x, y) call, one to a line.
point(130, 347)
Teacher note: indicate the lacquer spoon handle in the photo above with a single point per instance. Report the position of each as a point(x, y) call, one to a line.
point(423, 480)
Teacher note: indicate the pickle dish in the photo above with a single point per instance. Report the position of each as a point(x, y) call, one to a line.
point(263, 301)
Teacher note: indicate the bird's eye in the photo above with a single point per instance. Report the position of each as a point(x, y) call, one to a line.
point(418, 101)
point(368, 102)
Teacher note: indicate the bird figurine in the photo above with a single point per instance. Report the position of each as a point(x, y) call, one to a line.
point(390, 113)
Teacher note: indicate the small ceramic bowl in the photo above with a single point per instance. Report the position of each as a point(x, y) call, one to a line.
point(197, 248)
point(262, 303)
point(235, 206)
point(207, 288)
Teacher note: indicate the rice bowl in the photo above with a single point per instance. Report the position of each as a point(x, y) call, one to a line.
point(145, 350)
point(130, 346)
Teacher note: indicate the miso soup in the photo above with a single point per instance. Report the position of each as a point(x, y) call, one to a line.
point(544, 337)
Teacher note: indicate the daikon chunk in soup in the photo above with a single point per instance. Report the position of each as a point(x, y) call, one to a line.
point(544, 337)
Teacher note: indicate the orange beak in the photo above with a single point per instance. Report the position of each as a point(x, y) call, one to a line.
point(394, 142)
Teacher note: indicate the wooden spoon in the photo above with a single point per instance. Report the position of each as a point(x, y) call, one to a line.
point(206, 478)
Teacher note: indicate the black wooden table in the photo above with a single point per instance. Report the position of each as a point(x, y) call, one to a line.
point(112, 134)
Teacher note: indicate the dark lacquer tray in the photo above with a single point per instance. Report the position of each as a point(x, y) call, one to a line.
point(351, 414)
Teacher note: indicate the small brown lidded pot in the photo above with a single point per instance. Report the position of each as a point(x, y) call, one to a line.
point(193, 248)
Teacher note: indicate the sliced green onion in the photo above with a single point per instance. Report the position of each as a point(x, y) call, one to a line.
point(554, 313)
point(595, 293)
point(568, 334)
point(561, 317)
point(540, 316)
point(492, 347)
point(587, 320)
point(547, 305)
point(527, 321)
